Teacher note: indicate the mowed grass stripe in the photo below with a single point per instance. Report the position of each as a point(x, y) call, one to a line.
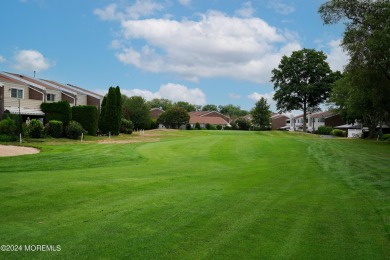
point(203, 196)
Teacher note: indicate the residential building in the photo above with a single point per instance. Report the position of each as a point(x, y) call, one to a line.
point(23, 94)
point(315, 120)
point(208, 117)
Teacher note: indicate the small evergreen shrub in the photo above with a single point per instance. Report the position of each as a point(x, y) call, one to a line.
point(228, 127)
point(386, 137)
point(7, 138)
point(154, 124)
point(126, 126)
point(197, 126)
point(8, 127)
point(324, 130)
point(338, 132)
point(188, 127)
point(208, 126)
point(74, 130)
point(213, 127)
point(35, 129)
point(54, 129)
point(219, 127)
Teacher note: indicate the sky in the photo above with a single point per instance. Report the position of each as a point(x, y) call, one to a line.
point(200, 51)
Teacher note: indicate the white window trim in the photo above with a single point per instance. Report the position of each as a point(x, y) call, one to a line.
point(54, 97)
point(10, 92)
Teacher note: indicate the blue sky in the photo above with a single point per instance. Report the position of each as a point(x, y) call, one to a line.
point(203, 52)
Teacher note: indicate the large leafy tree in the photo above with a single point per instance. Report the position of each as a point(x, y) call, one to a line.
point(187, 106)
point(232, 111)
point(137, 110)
point(367, 41)
point(302, 81)
point(209, 107)
point(174, 117)
point(367, 33)
point(261, 114)
point(162, 103)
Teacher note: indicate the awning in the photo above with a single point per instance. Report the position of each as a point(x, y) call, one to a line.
point(24, 111)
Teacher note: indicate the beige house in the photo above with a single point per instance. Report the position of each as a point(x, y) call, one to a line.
point(23, 94)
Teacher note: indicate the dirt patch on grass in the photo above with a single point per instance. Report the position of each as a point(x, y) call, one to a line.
point(12, 150)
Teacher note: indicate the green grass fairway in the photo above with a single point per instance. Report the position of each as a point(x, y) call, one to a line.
point(200, 195)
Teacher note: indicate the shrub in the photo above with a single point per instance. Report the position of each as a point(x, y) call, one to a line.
point(208, 126)
point(7, 138)
point(154, 124)
point(8, 127)
point(324, 130)
point(386, 137)
point(228, 127)
point(197, 126)
point(219, 127)
point(35, 128)
point(213, 127)
point(74, 130)
point(87, 116)
point(338, 132)
point(54, 128)
point(188, 127)
point(126, 126)
point(60, 111)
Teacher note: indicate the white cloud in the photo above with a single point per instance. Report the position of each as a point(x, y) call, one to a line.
point(246, 11)
point(141, 8)
point(280, 7)
point(337, 57)
point(2, 59)
point(30, 60)
point(171, 91)
point(217, 45)
point(185, 2)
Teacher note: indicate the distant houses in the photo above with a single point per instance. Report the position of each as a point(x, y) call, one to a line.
point(315, 120)
point(24, 94)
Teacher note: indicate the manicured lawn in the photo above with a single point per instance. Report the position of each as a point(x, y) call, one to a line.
point(200, 195)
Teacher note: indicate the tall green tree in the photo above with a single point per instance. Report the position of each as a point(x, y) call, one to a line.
point(110, 114)
point(261, 114)
point(137, 110)
point(174, 117)
point(302, 81)
point(102, 124)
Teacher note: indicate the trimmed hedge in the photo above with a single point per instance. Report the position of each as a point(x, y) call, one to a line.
point(54, 128)
point(338, 132)
point(87, 116)
point(324, 130)
point(60, 111)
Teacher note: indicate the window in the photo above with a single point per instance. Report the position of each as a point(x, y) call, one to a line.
point(50, 97)
point(16, 93)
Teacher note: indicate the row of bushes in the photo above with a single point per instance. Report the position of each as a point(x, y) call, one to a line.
point(35, 129)
point(327, 130)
